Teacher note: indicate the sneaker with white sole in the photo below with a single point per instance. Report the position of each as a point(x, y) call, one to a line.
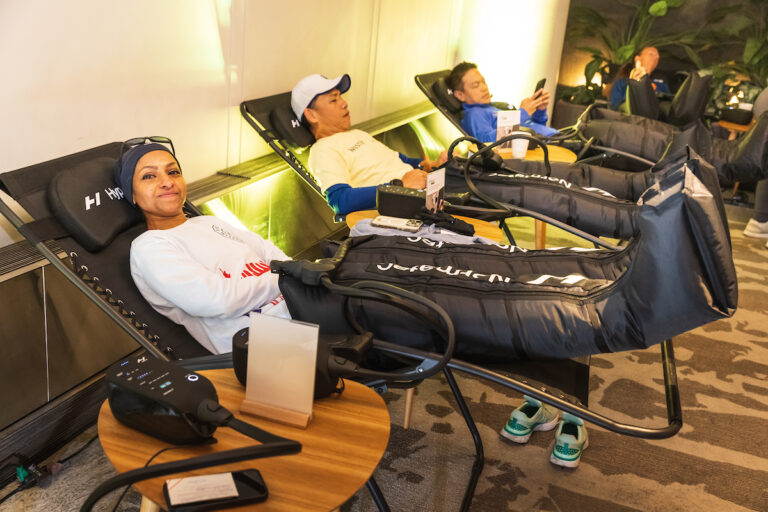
point(531, 415)
point(571, 440)
point(756, 229)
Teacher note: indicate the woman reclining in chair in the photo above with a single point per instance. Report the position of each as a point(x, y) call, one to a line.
point(200, 272)
point(208, 276)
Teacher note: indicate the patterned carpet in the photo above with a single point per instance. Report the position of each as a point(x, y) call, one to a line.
point(718, 461)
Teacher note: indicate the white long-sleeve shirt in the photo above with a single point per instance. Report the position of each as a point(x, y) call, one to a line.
point(208, 276)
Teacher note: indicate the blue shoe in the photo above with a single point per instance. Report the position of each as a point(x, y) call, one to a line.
point(531, 415)
point(571, 440)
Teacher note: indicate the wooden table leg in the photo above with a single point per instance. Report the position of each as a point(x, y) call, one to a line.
point(540, 234)
point(408, 407)
point(148, 505)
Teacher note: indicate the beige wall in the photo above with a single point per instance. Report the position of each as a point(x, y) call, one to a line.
point(85, 72)
point(514, 43)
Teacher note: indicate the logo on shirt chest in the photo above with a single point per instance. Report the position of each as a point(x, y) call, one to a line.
point(226, 234)
point(354, 147)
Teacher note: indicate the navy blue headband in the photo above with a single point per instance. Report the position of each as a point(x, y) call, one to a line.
point(126, 166)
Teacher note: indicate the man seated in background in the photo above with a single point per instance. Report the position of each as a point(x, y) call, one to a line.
point(349, 164)
point(644, 63)
point(480, 116)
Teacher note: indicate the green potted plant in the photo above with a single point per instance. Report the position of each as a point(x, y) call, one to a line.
point(742, 30)
point(620, 40)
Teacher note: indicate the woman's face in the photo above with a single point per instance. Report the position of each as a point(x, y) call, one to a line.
point(159, 189)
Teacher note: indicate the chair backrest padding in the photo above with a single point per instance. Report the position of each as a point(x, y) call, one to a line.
point(289, 128)
point(85, 200)
point(436, 90)
point(445, 95)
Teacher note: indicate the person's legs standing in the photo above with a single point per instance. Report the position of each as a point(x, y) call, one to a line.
point(757, 227)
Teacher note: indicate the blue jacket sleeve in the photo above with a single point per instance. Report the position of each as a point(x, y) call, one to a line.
point(344, 199)
point(618, 92)
point(413, 162)
point(480, 124)
point(539, 116)
point(531, 122)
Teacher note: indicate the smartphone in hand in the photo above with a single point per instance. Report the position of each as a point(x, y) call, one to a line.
point(540, 85)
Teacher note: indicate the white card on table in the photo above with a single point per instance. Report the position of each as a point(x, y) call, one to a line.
point(507, 121)
point(435, 190)
point(281, 363)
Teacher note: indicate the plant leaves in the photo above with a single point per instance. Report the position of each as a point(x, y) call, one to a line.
point(751, 47)
point(721, 13)
point(624, 53)
point(591, 50)
point(591, 68)
point(693, 56)
point(658, 9)
point(738, 24)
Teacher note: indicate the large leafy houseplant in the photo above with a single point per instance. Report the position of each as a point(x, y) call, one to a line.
point(740, 31)
point(619, 39)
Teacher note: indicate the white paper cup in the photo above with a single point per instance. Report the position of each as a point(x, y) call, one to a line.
point(519, 147)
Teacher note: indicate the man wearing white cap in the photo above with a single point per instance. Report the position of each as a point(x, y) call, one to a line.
point(348, 164)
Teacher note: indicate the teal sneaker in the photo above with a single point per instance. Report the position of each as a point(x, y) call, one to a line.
point(531, 415)
point(571, 440)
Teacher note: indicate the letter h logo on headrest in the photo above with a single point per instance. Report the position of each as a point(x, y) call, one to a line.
point(295, 123)
point(89, 201)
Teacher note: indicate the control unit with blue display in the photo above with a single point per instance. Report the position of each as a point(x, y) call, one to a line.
point(160, 399)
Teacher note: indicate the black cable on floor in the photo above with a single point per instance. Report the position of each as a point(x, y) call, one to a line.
point(79, 450)
point(17, 489)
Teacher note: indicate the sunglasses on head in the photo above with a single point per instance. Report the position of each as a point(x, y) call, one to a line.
point(138, 141)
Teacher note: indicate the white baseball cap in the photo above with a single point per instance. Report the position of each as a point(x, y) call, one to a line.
point(311, 87)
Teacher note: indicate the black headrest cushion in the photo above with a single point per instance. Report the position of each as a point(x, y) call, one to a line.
point(88, 203)
point(446, 97)
point(289, 128)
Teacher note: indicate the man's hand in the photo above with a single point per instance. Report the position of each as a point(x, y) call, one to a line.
point(637, 72)
point(415, 178)
point(428, 165)
point(538, 101)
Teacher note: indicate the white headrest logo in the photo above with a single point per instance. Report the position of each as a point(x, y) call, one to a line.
point(112, 193)
point(295, 123)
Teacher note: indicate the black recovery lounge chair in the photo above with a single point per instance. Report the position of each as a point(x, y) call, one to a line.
point(74, 201)
point(65, 195)
point(434, 87)
point(687, 105)
point(276, 123)
point(84, 211)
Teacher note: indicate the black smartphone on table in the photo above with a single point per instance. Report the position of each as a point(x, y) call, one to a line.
point(250, 489)
point(540, 85)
